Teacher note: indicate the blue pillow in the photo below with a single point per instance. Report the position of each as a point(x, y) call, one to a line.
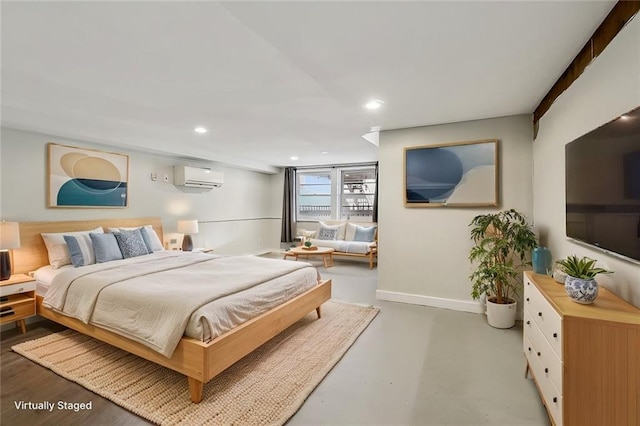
point(131, 243)
point(105, 247)
point(148, 241)
point(364, 234)
point(80, 250)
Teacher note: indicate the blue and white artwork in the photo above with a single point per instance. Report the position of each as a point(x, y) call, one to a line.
point(80, 177)
point(458, 174)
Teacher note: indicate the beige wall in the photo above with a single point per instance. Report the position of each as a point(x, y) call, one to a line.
point(609, 87)
point(423, 251)
point(243, 216)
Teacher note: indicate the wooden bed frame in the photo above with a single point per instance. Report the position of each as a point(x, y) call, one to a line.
point(197, 360)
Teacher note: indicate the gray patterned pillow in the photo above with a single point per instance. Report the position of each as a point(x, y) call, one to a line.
point(131, 243)
point(327, 233)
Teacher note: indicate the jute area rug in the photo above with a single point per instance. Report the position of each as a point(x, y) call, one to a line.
point(264, 388)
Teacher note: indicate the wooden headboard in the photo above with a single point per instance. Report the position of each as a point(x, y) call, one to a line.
point(32, 253)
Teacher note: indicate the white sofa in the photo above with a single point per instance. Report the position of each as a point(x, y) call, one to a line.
point(358, 239)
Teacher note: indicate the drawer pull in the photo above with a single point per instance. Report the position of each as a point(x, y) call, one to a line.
point(546, 370)
point(555, 399)
point(555, 334)
point(529, 349)
point(527, 299)
point(539, 314)
point(538, 353)
point(4, 299)
point(528, 322)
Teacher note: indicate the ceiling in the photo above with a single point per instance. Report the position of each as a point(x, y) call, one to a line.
point(272, 80)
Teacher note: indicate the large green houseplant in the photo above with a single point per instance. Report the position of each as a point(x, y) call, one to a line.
point(503, 243)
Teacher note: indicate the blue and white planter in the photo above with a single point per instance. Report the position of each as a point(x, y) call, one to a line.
point(581, 290)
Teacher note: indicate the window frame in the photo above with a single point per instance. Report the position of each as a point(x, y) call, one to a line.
point(336, 174)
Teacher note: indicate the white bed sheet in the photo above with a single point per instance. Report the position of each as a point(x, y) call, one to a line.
point(228, 312)
point(45, 275)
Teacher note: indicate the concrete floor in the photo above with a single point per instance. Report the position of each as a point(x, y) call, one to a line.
point(413, 365)
point(417, 365)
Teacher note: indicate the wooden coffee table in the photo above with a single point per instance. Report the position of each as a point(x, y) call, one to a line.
point(325, 252)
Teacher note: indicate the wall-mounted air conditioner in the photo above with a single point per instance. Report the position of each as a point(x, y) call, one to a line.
point(197, 177)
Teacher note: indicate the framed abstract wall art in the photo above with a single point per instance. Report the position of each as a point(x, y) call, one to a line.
point(82, 177)
point(459, 174)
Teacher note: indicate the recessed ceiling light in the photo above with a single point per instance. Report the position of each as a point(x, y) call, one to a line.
point(374, 104)
point(200, 129)
point(324, 152)
point(293, 157)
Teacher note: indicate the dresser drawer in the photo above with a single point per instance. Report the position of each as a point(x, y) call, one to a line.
point(551, 366)
point(543, 314)
point(17, 288)
point(17, 310)
point(551, 397)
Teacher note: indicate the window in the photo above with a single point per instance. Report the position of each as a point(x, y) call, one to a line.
point(338, 193)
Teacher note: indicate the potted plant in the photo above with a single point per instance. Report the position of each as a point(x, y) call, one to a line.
point(503, 243)
point(580, 283)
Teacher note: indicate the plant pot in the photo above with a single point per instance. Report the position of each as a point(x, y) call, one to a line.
point(581, 290)
point(501, 315)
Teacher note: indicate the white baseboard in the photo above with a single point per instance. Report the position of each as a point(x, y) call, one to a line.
point(436, 302)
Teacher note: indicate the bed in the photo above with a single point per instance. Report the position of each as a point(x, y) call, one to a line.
point(198, 360)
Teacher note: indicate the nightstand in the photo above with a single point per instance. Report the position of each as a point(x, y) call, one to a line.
point(17, 300)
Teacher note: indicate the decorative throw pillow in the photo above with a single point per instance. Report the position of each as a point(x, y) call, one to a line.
point(327, 233)
point(80, 250)
point(341, 229)
point(149, 235)
point(365, 234)
point(57, 247)
point(131, 243)
point(106, 247)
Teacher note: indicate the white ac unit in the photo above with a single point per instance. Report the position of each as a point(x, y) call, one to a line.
point(197, 177)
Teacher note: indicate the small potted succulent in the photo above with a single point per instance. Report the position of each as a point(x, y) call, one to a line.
point(580, 283)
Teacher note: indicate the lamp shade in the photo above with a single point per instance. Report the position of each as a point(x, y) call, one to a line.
point(9, 235)
point(188, 227)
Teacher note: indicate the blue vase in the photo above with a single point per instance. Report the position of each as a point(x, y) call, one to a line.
point(541, 259)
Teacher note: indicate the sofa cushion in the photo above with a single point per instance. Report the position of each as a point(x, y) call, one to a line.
point(327, 233)
point(357, 247)
point(365, 234)
point(340, 229)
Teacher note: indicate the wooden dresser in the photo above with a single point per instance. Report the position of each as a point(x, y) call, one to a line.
point(584, 359)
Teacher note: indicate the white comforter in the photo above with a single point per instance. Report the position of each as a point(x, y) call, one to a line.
point(150, 299)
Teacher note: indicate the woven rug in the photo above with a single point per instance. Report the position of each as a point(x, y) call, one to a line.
point(264, 388)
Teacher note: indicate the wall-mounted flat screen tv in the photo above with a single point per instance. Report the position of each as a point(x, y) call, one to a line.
point(603, 187)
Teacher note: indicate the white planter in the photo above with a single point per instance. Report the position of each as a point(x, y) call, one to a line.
point(501, 315)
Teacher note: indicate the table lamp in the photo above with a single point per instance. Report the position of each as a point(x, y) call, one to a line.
point(9, 239)
point(187, 227)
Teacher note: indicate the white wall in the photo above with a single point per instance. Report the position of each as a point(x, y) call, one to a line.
point(243, 216)
point(423, 251)
point(609, 87)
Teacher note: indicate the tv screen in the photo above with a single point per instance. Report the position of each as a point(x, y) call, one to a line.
point(603, 187)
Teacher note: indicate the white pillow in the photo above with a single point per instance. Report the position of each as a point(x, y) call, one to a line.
point(153, 242)
point(350, 232)
point(57, 247)
point(340, 229)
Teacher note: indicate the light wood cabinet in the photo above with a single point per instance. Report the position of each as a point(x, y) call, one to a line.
point(584, 359)
point(17, 300)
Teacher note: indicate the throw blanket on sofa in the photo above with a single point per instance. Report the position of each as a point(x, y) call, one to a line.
point(149, 299)
point(359, 247)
